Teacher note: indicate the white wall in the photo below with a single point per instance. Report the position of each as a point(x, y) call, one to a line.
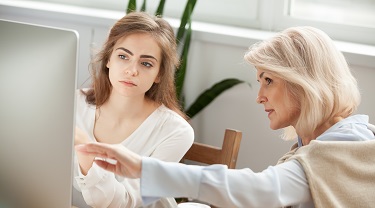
point(216, 53)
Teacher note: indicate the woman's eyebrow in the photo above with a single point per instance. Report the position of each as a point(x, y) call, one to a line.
point(131, 53)
point(126, 50)
point(260, 76)
point(148, 56)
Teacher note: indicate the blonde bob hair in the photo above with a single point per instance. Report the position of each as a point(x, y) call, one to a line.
point(316, 74)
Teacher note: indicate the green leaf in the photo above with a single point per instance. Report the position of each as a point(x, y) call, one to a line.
point(206, 97)
point(160, 9)
point(181, 71)
point(132, 6)
point(184, 19)
point(143, 8)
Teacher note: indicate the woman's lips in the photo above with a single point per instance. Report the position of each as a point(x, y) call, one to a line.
point(128, 83)
point(269, 111)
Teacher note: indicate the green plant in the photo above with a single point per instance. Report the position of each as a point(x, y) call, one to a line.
point(183, 38)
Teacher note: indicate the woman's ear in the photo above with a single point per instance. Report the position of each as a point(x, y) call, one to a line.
point(107, 65)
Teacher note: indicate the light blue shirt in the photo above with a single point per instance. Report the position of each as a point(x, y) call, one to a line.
point(276, 186)
point(353, 128)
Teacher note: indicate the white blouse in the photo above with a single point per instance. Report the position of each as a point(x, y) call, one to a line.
point(164, 135)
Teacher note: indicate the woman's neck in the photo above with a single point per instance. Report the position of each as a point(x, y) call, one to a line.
point(320, 130)
point(120, 107)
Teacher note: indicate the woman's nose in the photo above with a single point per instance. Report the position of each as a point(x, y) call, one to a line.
point(131, 69)
point(261, 99)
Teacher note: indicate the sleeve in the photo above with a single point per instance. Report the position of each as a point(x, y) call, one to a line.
point(100, 188)
point(277, 186)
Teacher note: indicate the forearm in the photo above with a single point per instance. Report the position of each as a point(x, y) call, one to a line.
point(167, 181)
point(224, 187)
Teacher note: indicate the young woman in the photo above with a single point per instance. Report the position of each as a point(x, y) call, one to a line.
point(307, 88)
point(132, 103)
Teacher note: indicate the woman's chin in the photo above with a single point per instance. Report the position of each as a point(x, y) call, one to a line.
point(274, 126)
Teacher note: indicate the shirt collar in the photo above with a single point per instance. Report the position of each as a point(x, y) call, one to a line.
point(299, 142)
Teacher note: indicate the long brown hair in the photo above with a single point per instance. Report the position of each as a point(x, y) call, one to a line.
point(163, 92)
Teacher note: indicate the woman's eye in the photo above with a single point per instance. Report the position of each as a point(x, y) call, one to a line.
point(146, 64)
point(122, 56)
point(268, 80)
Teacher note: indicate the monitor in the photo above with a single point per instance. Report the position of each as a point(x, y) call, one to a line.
point(38, 70)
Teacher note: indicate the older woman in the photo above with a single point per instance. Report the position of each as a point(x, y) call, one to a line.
point(307, 88)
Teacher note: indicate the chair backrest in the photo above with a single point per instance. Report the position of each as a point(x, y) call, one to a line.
point(227, 154)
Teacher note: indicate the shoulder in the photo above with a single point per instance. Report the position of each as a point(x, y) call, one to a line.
point(353, 128)
point(172, 117)
point(80, 93)
point(81, 104)
point(172, 123)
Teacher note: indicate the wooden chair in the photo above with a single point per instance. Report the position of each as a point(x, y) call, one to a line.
point(227, 154)
point(207, 154)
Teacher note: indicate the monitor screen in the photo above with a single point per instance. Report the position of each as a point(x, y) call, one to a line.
point(38, 70)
